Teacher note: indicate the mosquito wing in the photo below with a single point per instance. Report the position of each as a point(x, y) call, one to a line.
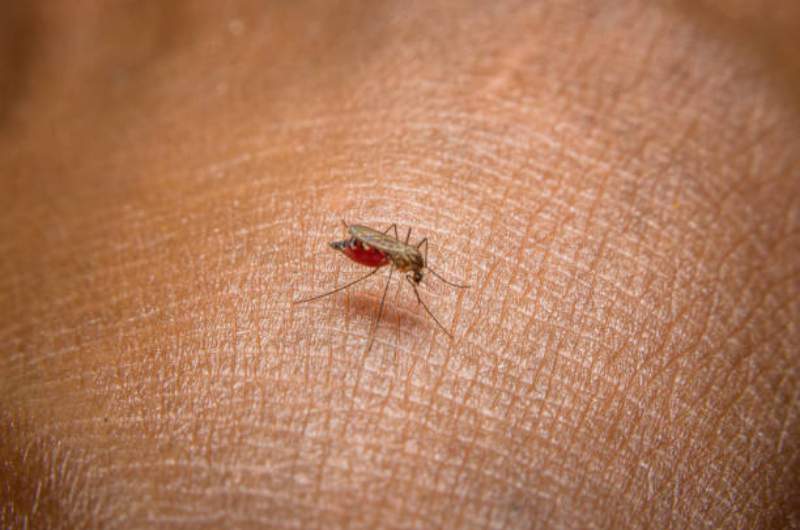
point(378, 240)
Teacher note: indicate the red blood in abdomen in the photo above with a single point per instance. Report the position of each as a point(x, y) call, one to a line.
point(370, 258)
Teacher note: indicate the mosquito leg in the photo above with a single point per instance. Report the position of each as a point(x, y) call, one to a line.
point(383, 299)
point(399, 288)
point(424, 242)
point(345, 286)
point(408, 235)
point(411, 282)
point(380, 313)
point(393, 227)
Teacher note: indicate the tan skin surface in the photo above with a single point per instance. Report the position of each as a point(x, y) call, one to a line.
point(618, 181)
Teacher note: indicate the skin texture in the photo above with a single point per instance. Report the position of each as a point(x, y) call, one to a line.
point(618, 181)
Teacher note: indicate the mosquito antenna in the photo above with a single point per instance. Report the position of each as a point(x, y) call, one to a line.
point(445, 281)
point(426, 307)
point(345, 286)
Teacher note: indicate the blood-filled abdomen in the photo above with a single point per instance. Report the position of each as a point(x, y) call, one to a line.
point(356, 251)
point(366, 256)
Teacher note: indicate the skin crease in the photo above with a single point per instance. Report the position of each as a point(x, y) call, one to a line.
point(617, 181)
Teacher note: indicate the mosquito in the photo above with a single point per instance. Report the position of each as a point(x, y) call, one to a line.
point(375, 249)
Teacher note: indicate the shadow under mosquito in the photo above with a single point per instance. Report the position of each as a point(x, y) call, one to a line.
point(399, 314)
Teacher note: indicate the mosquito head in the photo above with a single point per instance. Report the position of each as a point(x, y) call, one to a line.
point(417, 277)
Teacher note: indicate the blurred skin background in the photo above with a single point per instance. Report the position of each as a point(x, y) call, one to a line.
point(618, 182)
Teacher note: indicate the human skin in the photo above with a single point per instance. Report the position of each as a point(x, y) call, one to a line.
point(617, 181)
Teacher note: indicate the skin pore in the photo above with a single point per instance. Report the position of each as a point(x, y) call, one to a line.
point(618, 182)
